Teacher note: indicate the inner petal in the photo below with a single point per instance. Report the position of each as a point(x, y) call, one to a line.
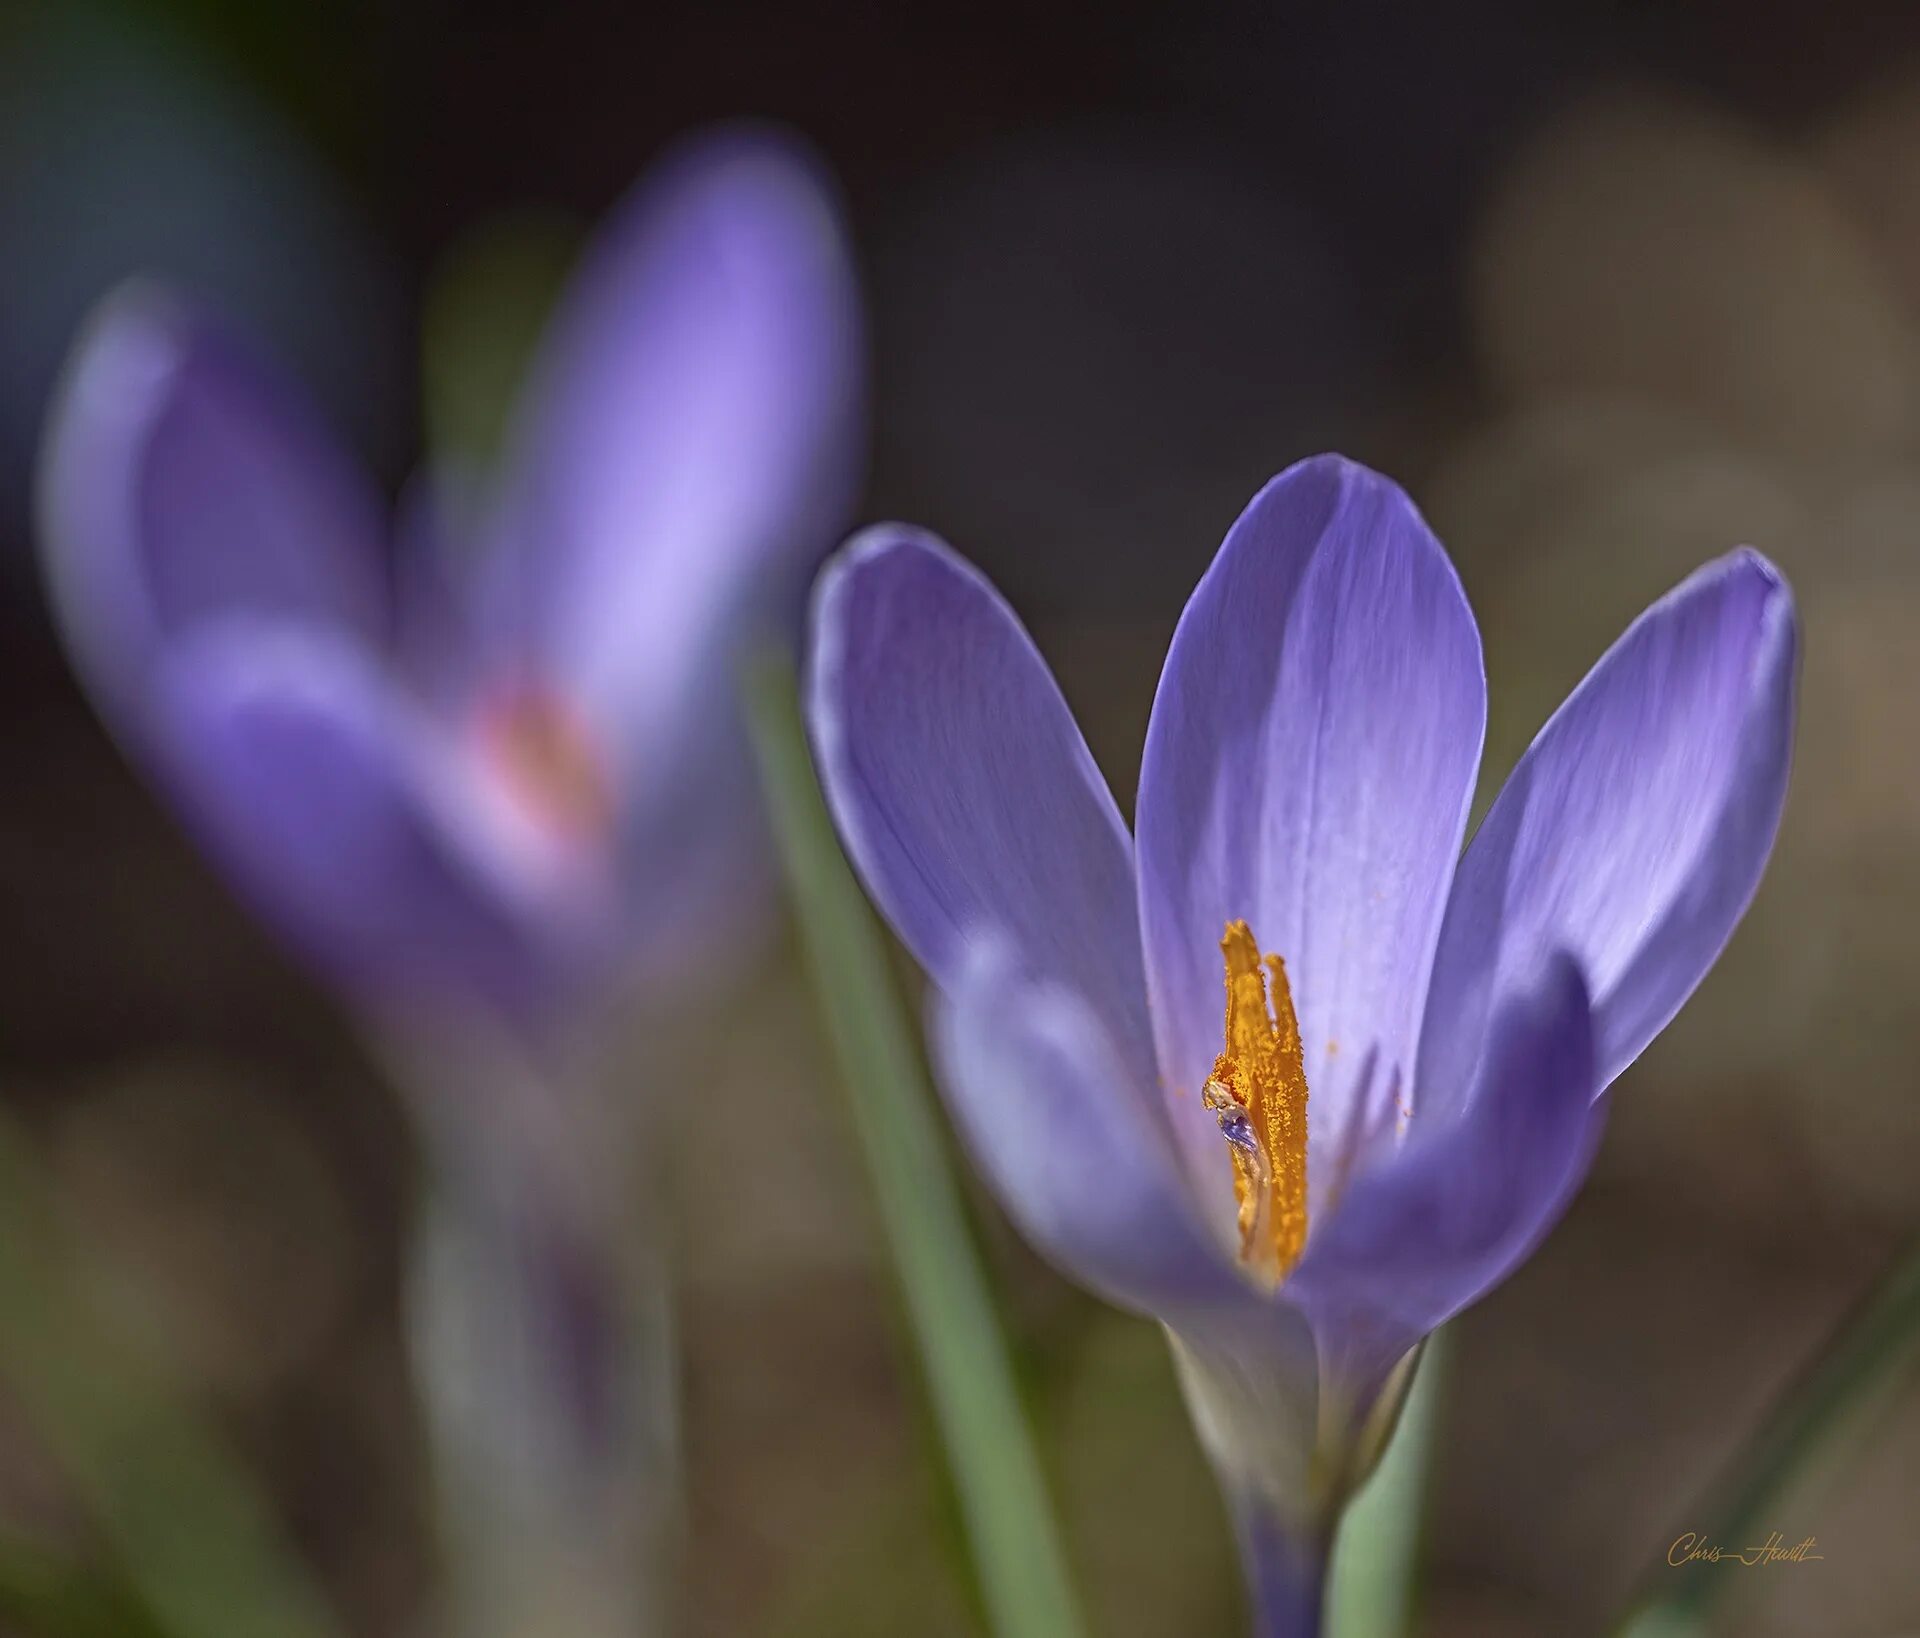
point(1309, 765)
point(1258, 1093)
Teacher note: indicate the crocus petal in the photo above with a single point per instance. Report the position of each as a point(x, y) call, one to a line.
point(1635, 829)
point(326, 800)
point(1070, 1142)
point(688, 440)
point(961, 786)
point(180, 482)
point(1308, 768)
point(1421, 1234)
point(435, 645)
point(701, 881)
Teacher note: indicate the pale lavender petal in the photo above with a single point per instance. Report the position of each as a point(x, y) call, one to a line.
point(1249, 1371)
point(335, 811)
point(181, 481)
point(961, 786)
point(1308, 768)
point(1419, 1235)
point(700, 878)
point(689, 441)
point(1069, 1140)
point(1635, 829)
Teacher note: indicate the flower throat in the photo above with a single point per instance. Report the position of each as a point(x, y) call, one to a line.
point(1258, 1093)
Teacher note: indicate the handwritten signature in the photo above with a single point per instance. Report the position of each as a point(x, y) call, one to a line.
point(1690, 1547)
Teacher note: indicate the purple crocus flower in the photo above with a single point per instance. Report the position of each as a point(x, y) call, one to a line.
point(497, 761)
point(479, 771)
point(1301, 1166)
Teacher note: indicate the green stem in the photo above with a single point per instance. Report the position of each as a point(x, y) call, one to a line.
point(1863, 1350)
point(1377, 1550)
point(1003, 1501)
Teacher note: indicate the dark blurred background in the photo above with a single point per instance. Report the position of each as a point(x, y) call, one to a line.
point(1609, 287)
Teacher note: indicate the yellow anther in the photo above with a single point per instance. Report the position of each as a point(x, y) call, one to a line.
point(1258, 1092)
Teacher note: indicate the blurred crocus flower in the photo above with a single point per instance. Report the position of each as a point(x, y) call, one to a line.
point(1303, 1166)
point(481, 764)
point(495, 761)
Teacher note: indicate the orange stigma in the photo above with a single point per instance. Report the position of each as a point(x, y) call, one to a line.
point(1258, 1093)
point(547, 760)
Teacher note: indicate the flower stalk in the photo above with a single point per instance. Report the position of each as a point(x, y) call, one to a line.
point(539, 1322)
point(1372, 1583)
point(1010, 1528)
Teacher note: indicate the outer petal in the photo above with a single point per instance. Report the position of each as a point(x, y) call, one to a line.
point(1070, 1141)
point(1419, 1236)
point(1308, 767)
point(179, 481)
point(962, 788)
point(1635, 829)
point(334, 811)
point(689, 441)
